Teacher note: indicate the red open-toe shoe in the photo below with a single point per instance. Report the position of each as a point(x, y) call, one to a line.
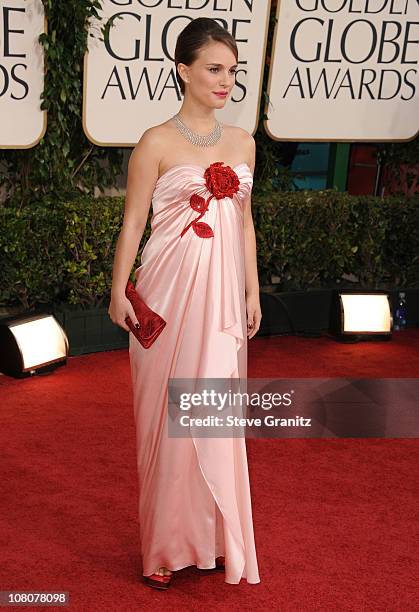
point(158, 582)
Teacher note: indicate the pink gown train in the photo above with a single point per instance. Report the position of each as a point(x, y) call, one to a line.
point(194, 493)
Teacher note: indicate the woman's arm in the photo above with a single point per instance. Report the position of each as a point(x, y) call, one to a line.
point(142, 176)
point(254, 314)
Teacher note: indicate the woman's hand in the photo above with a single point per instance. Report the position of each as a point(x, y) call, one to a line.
point(254, 315)
point(119, 308)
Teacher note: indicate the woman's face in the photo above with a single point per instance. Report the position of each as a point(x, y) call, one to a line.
point(213, 71)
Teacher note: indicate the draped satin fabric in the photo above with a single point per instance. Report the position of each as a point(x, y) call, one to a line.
point(194, 492)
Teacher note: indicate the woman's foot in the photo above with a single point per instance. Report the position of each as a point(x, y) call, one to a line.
point(163, 571)
point(160, 579)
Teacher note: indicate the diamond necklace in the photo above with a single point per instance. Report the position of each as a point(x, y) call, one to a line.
point(209, 140)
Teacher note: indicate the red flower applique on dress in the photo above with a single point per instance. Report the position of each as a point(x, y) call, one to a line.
point(222, 182)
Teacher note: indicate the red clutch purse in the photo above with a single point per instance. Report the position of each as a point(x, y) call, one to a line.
point(151, 323)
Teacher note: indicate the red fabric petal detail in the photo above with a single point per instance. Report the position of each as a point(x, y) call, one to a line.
point(202, 229)
point(197, 203)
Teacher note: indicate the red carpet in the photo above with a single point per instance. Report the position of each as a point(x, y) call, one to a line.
point(334, 519)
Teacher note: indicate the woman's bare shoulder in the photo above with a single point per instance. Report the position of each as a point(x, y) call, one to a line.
point(153, 143)
point(156, 135)
point(242, 138)
point(237, 131)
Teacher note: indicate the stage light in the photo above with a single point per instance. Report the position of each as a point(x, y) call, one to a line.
point(31, 344)
point(361, 315)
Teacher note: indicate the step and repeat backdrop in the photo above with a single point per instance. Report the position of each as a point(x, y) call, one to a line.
point(340, 70)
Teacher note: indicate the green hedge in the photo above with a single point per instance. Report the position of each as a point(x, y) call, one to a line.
point(309, 239)
point(61, 254)
point(31, 255)
point(313, 238)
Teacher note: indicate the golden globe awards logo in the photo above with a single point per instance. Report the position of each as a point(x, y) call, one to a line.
point(347, 48)
point(345, 69)
point(22, 123)
point(130, 72)
point(157, 83)
point(12, 69)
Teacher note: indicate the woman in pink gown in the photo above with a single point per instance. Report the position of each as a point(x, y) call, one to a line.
point(194, 493)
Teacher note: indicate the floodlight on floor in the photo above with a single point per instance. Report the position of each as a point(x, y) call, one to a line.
point(361, 315)
point(31, 344)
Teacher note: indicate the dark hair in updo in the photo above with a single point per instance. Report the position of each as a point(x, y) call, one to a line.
point(198, 33)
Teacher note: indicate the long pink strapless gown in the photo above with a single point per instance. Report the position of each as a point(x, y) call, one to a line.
point(194, 493)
